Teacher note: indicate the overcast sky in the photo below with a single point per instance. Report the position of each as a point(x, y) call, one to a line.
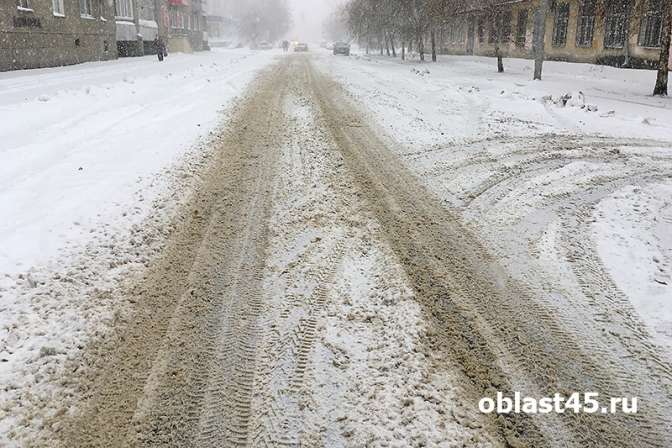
point(308, 18)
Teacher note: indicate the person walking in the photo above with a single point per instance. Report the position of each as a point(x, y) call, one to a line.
point(285, 46)
point(161, 50)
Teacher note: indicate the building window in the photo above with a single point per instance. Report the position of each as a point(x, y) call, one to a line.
point(455, 33)
point(585, 27)
point(124, 9)
point(492, 32)
point(500, 28)
point(177, 21)
point(504, 25)
point(481, 30)
point(650, 30)
point(86, 8)
point(615, 23)
point(59, 9)
point(560, 24)
point(521, 28)
point(23, 5)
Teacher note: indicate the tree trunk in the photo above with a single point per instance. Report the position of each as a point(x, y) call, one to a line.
point(403, 50)
point(421, 47)
point(387, 44)
point(433, 37)
point(539, 36)
point(500, 61)
point(392, 44)
point(664, 62)
point(626, 44)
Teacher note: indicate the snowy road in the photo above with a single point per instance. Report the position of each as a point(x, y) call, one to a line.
point(569, 190)
point(329, 280)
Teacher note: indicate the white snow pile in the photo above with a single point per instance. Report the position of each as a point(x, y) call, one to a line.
point(571, 99)
point(423, 72)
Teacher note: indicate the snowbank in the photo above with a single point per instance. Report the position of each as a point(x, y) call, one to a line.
point(78, 141)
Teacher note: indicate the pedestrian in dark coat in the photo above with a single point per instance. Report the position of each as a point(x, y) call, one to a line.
point(160, 46)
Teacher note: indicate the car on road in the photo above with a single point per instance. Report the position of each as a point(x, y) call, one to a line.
point(265, 46)
point(342, 48)
point(301, 47)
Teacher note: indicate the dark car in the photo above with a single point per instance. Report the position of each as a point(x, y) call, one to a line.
point(342, 48)
point(300, 47)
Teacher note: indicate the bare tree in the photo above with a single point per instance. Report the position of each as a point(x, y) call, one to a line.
point(664, 61)
point(497, 14)
point(539, 36)
point(335, 27)
point(413, 23)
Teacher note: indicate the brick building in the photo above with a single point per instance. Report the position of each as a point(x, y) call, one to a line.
point(614, 32)
point(183, 25)
point(46, 33)
point(221, 25)
point(136, 27)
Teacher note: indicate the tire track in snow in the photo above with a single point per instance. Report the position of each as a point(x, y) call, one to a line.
point(504, 338)
point(179, 373)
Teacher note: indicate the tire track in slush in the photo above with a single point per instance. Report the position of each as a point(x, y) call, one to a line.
point(204, 339)
point(504, 339)
point(597, 290)
point(180, 371)
point(209, 358)
point(285, 388)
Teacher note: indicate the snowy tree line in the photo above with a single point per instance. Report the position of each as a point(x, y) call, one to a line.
point(399, 26)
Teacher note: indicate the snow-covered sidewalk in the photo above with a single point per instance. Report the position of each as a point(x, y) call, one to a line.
point(463, 97)
point(568, 179)
point(77, 142)
point(94, 158)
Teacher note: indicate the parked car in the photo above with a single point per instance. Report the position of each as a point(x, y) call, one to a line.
point(265, 46)
point(342, 48)
point(301, 47)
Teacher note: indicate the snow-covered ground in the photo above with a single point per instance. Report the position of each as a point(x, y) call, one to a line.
point(413, 100)
point(573, 193)
point(89, 154)
point(570, 192)
point(342, 299)
point(75, 141)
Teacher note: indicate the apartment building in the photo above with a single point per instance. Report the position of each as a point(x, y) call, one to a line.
point(183, 25)
point(614, 32)
point(221, 25)
point(136, 27)
point(46, 33)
